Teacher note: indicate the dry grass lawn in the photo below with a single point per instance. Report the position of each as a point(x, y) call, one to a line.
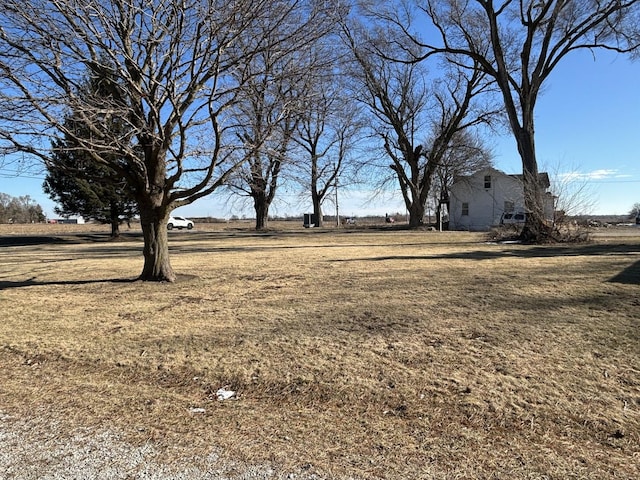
point(363, 352)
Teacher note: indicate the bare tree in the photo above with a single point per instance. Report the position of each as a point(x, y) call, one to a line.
point(328, 129)
point(519, 43)
point(409, 106)
point(174, 61)
point(268, 110)
point(265, 152)
point(575, 194)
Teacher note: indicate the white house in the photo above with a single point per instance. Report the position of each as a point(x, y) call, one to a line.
point(478, 201)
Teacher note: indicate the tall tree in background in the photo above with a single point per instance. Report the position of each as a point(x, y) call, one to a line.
point(20, 210)
point(519, 43)
point(418, 117)
point(328, 130)
point(173, 62)
point(267, 113)
point(81, 186)
point(263, 158)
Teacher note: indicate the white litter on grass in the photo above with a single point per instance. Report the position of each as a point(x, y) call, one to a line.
point(197, 410)
point(224, 394)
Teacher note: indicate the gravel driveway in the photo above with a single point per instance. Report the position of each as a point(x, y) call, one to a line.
point(33, 449)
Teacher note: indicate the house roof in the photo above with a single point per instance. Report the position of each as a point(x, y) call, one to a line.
point(543, 178)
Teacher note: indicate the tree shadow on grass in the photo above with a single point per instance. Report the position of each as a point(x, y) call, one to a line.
point(65, 239)
point(629, 276)
point(525, 252)
point(31, 282)
point(28, 240)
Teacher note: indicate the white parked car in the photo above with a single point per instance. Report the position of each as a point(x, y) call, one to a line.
point(179, 223)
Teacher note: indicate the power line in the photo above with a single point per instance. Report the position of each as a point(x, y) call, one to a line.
point(613, 181)
point(2, 175)
point(13, 173)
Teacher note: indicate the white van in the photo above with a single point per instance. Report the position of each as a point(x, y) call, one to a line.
point(513, 218)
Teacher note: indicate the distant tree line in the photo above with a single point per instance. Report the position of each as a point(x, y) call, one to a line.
point(20, 210)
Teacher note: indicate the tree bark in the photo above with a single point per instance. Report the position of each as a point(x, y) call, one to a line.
point(415, 190)
point(157, 267)
point(261, 207)
point(115, 220)
point(535, 229)
point(416, 214)
point(317, 210)
point(115, 228)
point(316, 197)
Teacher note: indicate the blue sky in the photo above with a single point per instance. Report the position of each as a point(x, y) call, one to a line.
point(587, 132)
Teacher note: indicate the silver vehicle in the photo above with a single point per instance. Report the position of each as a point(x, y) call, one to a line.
point(179, 223)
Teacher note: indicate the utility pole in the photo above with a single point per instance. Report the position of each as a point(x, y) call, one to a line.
point(336, 188)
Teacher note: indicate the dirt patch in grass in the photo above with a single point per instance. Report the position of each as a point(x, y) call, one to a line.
point(378, 354)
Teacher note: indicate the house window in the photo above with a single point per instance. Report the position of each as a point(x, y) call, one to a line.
point(509, 207)
point(465, 209)
point(487, 181)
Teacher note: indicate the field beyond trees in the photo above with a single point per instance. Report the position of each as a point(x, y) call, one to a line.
point(366, 353)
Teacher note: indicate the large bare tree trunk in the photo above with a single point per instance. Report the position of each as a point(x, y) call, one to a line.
point(316, 197)
point(261, 207)
point(317, 210)
point(115, 228)
point(415, 190)
point(157, 267)
point(416, 214)
point(115, 220)
point(535, 228)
